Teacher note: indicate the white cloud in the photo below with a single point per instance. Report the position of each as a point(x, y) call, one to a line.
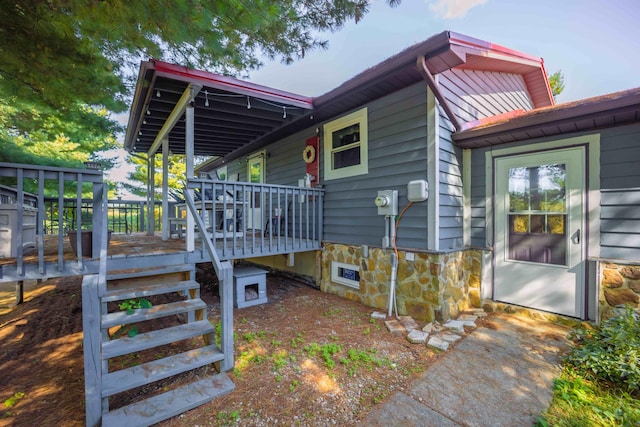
point(449, 9)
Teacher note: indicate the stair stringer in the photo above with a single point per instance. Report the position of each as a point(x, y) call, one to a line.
point(99, 384)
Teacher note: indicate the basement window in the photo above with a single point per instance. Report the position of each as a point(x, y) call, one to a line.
point(345, 274)
point(345, 142)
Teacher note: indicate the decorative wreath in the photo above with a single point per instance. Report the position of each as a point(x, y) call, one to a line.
point(309, 154)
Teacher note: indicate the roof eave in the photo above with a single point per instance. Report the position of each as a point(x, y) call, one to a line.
point(561, 113)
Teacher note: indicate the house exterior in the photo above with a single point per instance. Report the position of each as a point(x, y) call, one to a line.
point(529, 203)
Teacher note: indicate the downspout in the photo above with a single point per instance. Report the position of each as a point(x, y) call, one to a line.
point(428, 77)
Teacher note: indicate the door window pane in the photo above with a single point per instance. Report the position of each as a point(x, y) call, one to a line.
point(537, 214)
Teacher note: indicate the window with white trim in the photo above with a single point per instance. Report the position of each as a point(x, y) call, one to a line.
point(345, 142)
point(345, 274)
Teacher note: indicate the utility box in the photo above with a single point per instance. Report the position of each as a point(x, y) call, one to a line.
point(387, 202)
point(9, 229)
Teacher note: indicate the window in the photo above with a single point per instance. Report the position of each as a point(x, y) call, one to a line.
point(222, 173)
point(345, 274)
point(345, 146)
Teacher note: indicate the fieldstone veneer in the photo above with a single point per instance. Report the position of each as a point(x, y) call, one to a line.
point(619, 285)
point(433, 286)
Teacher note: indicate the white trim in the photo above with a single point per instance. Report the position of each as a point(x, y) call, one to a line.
point(466, 190)
point(592, 199)
point(357, 117)
point(433, 172)
point(335, 277)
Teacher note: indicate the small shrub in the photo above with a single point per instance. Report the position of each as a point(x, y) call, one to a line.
point(610, 352)
point(132, 304)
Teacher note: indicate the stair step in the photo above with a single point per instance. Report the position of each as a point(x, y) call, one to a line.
point(155, 271)
point(136, 376)
point(169, 404)
point(155, 312)
point(126, 345)
point(149, 290)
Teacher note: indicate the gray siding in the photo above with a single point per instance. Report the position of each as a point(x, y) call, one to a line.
point(619, 198)
point(450, 190)
point(476, 94)
point(397, 155)
point(620, 193)
point(478, 199)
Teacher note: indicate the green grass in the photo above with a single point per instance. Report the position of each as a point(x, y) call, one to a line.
point(579, 402)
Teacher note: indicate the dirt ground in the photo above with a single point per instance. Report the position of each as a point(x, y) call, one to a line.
point(304, 358)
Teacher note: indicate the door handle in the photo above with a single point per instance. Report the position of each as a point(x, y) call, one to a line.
point(576, 237)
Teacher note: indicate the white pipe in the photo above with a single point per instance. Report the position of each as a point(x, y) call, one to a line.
point(392, 231)
point(385, 239)
point(392, 285)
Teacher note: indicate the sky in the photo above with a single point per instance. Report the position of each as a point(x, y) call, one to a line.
point(594, 43)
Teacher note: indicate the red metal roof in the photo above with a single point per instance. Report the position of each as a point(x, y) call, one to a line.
point(229, 128)
point(598, 112)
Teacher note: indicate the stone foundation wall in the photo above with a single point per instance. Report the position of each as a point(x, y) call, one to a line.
point(431, 286)
point(619, 285)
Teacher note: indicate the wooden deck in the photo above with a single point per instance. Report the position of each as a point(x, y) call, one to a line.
point(127, 248)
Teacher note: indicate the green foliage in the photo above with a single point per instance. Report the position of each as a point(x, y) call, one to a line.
point(327, 351)
point(228, 418)
point(556, 81)
point(610, 352)
point(64, 63)
point(280, 360)
point(363, 358)
point(176, 169)
point(132, 304)
point(13, 400)
point(579, 402)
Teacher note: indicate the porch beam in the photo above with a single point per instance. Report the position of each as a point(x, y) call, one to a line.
point(187, 97)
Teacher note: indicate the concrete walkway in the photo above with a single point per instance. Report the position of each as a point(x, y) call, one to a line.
point(499, 375)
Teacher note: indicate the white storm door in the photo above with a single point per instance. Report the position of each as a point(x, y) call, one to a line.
point(255, 175)
point(539, 231)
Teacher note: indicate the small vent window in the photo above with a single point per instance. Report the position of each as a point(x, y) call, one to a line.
point(345, 274)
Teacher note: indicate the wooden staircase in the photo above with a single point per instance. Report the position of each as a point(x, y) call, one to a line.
point(177, 314)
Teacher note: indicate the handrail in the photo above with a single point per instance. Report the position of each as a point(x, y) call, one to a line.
point(248, 219)
point(200, 225)
point(27, 227)
point(224, 271)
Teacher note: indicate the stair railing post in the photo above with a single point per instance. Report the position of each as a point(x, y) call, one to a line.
point(226, 314)
point(92, 344)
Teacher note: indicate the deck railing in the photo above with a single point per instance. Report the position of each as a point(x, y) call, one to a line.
point(23, 222)
point(246, 220)
point(123, 216)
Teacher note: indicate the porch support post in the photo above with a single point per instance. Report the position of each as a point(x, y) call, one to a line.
point(189, 151)
point(151, 196)
point(165, 189)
